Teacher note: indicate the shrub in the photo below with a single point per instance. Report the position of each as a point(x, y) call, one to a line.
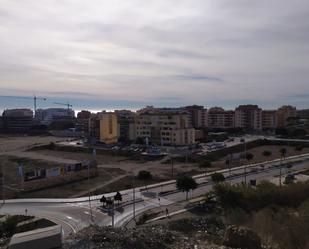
point(144, 175)
point(217, 177)
point(267, 153)
point(298, 148)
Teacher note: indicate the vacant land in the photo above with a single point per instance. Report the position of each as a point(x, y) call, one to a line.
point(115, 171)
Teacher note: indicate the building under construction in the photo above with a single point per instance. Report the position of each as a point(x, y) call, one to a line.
point(17, 120)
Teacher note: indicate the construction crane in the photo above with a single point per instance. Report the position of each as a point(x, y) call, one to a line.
point(65, 104)
point(35, 98)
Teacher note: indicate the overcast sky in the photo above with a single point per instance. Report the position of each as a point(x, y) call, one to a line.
point(130, 53)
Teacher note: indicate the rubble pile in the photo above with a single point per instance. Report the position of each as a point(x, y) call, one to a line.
point(209, 225)
point(156, 237)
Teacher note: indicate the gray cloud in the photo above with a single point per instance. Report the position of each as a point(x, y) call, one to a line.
point(189, 51)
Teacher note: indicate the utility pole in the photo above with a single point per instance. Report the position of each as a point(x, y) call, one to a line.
point(133, 200)
point(90, 208)
point(3, 192)
point(113, 215)
point(172, 164)
point(245, 166)
point(280, 174)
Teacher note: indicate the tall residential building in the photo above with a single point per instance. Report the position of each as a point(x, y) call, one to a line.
point(248, 117)
point(82, 121)
point(126, 121)
point(217, 117)
point(17, 120)
point(284, 113)
point(197, 116)
point(165, 128)
point(49, 115)
point(303, 114)
point(103, 127)
point(269, 119)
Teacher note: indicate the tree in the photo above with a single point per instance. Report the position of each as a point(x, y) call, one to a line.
point(282, 152)
point(205, 164)
point(267, 153)
point(103, 200)
point(185, 184)
point(298, 148)
point(144, 175)
point(118, 197)
point(248, 156)
point(228, 164)
point(217, 177)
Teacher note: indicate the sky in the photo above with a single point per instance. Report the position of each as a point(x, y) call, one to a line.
point(103, 54)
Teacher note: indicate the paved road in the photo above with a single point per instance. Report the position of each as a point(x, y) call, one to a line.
point(75, 214)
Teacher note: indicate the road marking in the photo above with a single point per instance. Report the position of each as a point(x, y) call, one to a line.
point(86, 212)
point(61, 221)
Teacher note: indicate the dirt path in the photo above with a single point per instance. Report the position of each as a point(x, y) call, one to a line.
point(37, 156)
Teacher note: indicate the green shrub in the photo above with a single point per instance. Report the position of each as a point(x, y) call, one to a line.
point(144, 175)
point(217, 177)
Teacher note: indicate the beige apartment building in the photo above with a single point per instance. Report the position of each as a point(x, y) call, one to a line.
point(248, 117)
point(285, 112)
point(197, 116)
point(104, 127)
point(165, 128)
point(269, 119)
point(217, 117)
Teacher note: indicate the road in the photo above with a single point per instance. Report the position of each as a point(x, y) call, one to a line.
point(75, 213)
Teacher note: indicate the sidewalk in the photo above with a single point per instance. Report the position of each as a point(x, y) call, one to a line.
point(173, 209)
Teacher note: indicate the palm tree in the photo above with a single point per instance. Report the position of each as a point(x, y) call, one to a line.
point(249, 156)
point(282, 152)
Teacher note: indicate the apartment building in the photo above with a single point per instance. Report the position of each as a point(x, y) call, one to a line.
point(269, 119)
point(248, 117)
point(284, 113)
point(217, 117)
point(103, 127)
point(197, 116)
point(165, 127)
point(82, 121)
point(126, 122)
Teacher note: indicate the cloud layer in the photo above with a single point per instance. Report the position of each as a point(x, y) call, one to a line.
point(162, 52)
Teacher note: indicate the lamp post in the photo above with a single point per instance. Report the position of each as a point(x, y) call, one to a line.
point(3, 192)
point(245, 166)
point(133, 197)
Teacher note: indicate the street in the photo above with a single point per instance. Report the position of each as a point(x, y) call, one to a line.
point(75, 213)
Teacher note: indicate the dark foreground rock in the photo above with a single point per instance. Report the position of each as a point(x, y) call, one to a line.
point(240, 237)
point(120, 238)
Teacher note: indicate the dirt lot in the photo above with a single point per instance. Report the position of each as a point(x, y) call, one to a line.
point(258, 155)
point(16, 143)
point(114, 170)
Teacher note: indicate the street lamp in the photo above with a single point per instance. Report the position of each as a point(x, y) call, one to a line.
point(3, 193)
point(245, 166)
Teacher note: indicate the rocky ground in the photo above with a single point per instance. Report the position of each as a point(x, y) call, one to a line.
point(197, 233)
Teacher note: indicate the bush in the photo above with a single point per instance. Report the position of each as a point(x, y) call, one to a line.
point(298, 148)
point(144, 175)
point(217, 177)
point(267, 153)
point(205, 164)
point(265, 194)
